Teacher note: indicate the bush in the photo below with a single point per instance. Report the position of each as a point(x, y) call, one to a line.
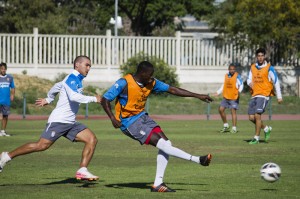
point(162, 70)
point(59, 77)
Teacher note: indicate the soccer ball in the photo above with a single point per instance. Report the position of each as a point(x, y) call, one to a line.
point(270, 172)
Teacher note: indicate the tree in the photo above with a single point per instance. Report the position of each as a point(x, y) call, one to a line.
point(53, 16)
point(92, 16)
point(273, 24)
point(21, 16)
point(146, 16)
point(85, 17)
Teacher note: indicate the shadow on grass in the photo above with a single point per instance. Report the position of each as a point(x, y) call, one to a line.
point(142, 185)
point(84, 184)
point(260, 141)
point(269, 189)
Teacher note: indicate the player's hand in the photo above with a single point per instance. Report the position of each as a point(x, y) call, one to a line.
point(279, 101)
point(99, 98)
point(206, 98)
point(215, 94)
point(41, 102)
point(116, 123)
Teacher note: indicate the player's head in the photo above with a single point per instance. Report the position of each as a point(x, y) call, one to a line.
point(3, 68)
point(260, 55)
point(145, 72)
point(82, 64)
point(231, 69)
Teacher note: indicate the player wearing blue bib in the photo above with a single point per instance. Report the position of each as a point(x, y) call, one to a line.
point(131, 93)
point(7, 93)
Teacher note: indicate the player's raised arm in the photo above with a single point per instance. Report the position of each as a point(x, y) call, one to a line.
point(185, 93)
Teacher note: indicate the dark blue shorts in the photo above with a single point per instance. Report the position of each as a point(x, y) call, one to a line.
point(4, 110)
point(257, 105)
point(141, 128)
point(55, 130)
point(230, 104)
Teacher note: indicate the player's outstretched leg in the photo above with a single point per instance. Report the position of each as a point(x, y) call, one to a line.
point(166, 146)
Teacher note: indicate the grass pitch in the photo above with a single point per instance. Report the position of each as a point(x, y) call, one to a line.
point(127, 169)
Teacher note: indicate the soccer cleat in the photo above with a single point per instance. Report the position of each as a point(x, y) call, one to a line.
point(254, 141)
point(233, 131)
point(4, 158)
point(268, 133)
point(224, 130)
point(4, 134)
point(86, 175)
point(162, 188)
point(205, 160)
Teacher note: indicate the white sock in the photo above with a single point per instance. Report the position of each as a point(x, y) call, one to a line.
point(166, 146)
point(234, 128)
point(266, 129)
point(162, 162)
point(5, 157)
point(82, 169)
point(256, 137)
point(226, 125)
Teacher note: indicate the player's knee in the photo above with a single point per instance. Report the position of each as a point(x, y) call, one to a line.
point(163, 144)
point(93, 140)
point(169, 142)
point(251, 118)
point(42, 146)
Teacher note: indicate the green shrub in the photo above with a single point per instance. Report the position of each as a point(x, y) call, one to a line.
point(162, 70)
point(60, 76)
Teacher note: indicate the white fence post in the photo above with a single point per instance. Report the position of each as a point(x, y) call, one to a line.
point(108, 48)
point(35, 48)
point(177, 53)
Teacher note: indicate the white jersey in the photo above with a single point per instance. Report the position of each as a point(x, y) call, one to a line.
point(70, 97)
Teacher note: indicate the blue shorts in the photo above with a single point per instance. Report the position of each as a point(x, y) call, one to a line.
point(55, 130)
point(257, 105)
point(141, 128)
point(4, 110)
point(231, 104)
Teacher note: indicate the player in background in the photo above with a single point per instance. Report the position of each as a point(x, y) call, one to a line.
point(262, 79)
point(7, 95)
point(232, 86)
point(131, 93)
point(62, 121)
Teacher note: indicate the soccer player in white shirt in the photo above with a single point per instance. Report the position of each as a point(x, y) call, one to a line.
point(62, 121)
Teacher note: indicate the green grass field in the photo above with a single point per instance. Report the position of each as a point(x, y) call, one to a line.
point(127, 169)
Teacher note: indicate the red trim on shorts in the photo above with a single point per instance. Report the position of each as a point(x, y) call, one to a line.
point(156, 130)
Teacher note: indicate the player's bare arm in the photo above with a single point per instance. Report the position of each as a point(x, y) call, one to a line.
point(41, 102)
point(99, 98)
point(185, 93)
point(107, 108)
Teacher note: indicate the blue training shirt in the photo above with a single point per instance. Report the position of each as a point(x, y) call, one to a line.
point(117, 90)
point(6, 83)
